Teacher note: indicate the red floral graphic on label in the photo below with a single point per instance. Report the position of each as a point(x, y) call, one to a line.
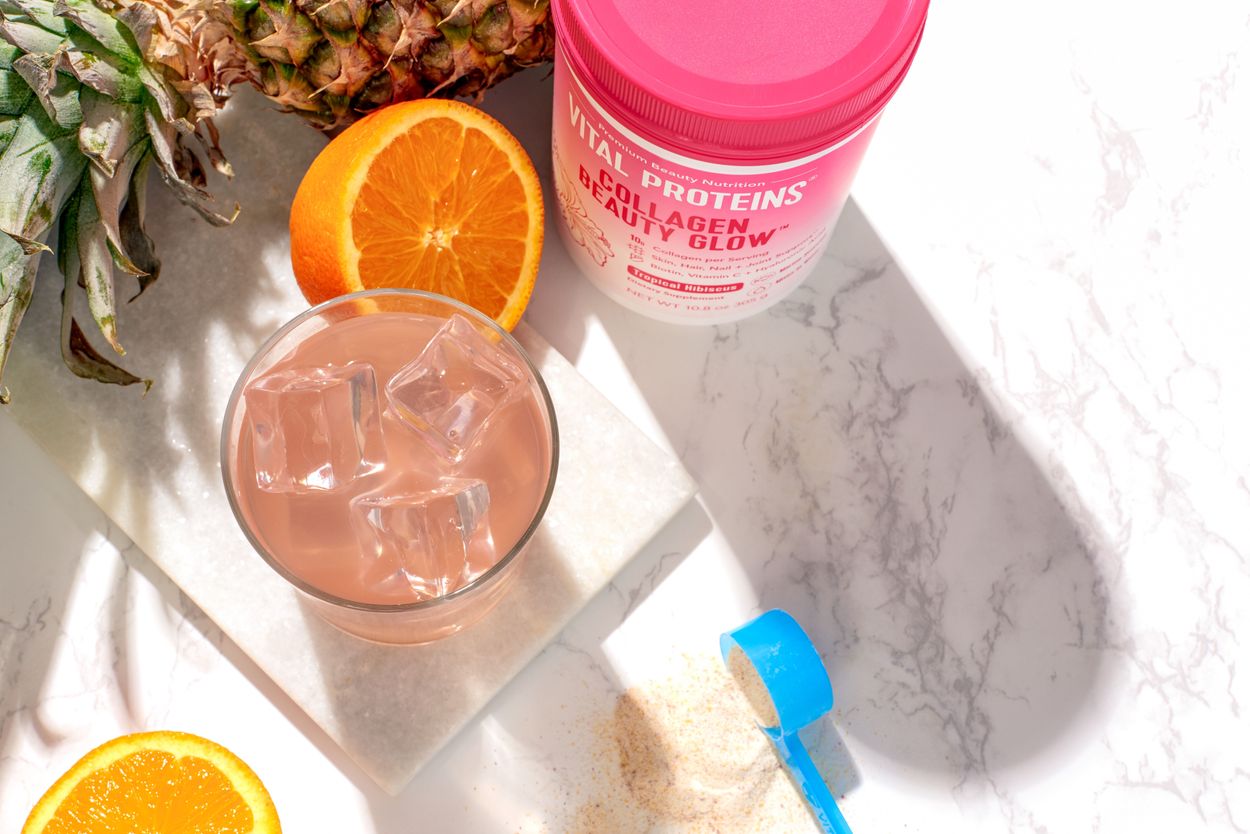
point(584, 231)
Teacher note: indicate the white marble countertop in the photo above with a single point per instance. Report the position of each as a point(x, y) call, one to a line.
point(992, 455)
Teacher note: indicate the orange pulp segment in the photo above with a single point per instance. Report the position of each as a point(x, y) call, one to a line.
point(160, 782)
point(432, 195)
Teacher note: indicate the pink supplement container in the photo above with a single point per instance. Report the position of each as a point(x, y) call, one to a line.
point(703, 149)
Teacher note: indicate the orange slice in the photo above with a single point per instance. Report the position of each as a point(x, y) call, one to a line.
point(157, 783)
point(432, 195)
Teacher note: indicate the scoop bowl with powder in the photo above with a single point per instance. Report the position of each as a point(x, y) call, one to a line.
point(780, 673)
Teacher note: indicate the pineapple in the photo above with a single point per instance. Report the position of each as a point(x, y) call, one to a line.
point(94, 93)
point(331, 61)
point(90, 101)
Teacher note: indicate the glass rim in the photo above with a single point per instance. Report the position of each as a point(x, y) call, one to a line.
point(311, 590)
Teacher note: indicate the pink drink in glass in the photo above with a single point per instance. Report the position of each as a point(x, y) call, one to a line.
point(390, 454)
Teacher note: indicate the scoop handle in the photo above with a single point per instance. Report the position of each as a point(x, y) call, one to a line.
point(810, 782)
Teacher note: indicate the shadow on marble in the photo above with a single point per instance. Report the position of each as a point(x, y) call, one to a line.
point(867, 483)
point(62, 603)
point(36, 580)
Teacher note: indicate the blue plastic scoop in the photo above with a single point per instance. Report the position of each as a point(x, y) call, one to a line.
point(797, 693)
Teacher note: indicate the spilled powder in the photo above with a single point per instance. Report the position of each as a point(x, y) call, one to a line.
point(751, 685)
point(684, 754)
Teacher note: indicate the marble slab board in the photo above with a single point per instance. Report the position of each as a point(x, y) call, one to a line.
point(152, 464)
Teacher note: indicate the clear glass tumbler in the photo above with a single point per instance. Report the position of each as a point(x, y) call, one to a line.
point(330, 379)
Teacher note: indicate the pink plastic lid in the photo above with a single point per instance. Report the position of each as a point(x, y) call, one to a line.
point(741, 79)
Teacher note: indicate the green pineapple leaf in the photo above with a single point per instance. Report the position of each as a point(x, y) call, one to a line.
point(83, 117)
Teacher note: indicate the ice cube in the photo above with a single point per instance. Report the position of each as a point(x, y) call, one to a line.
point(449, 392)
point(435, 541)
point(315, 428)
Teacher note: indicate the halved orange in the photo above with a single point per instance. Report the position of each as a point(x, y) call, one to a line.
point(430, 194)
point(160, 783)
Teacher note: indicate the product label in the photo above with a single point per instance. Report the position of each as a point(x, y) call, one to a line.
point(679, 238)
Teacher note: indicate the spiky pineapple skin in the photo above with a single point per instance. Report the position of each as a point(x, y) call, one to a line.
point(333, 62)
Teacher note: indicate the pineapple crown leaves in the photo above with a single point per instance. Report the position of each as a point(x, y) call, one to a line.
point(91, 98)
